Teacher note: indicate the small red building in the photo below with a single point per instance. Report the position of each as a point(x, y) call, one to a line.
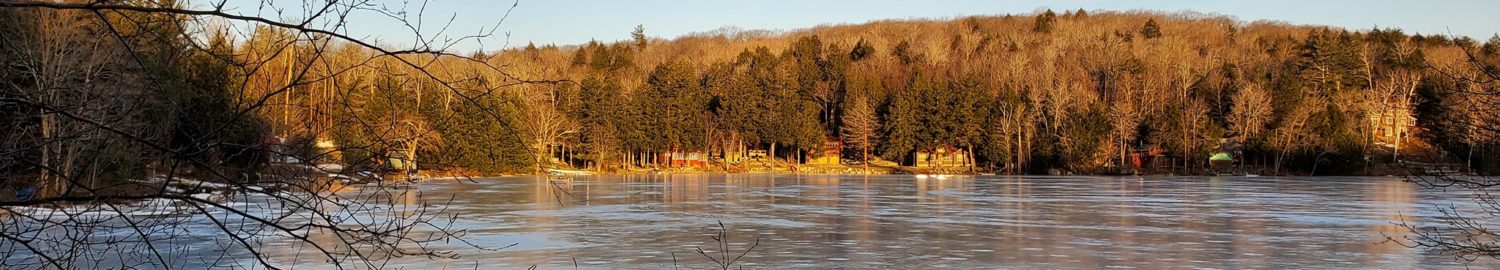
point(1145, 156)
point(684, 158)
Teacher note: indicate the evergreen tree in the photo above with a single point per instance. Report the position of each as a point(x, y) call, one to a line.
point(599, 113)
point(580, 57)
point(673, 104)
point(1151, 30)
point(903, 125)
point(1044, 22)
point(905, 53)
point(639, 36)
point(861, 50)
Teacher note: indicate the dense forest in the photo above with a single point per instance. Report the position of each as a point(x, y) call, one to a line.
point(1075, 91)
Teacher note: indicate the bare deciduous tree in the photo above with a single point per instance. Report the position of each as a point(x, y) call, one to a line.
point(136, 134)
point(860, 127)
point(1464, 231)
point(1250, 113)
point(546, 126)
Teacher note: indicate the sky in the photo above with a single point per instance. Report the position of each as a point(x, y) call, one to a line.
point(567, 22)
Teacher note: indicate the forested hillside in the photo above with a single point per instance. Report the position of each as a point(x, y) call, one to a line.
point(1076, 91)
point(1072, 91)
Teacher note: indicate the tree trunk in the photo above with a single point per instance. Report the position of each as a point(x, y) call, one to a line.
point(772, 156)
point(411, 158)
point(969, 158)
point(1020, 157)
point(1396, 154)
point(1469, 161)
point(46, 184)
point(1123, 149)
point(866, 156)
point(1185, 153)
point(1277, 167)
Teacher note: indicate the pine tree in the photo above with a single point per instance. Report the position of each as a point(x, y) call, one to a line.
point(902, 125)
point(1044, 22)
point(1151, 30)
point(672, 104)
point(580, 57)
point(639, 36)
point(905, 53)
point(861, 50)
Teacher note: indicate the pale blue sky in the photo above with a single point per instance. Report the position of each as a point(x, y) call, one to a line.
point(566, 22)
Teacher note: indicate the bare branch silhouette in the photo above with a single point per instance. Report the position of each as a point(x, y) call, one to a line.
point(151, 134)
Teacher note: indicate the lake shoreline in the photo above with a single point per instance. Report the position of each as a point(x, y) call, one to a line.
point(1387, 170)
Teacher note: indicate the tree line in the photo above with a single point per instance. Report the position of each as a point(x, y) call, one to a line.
point(1027, 94)
point(1034, 93)
point(1030, 93)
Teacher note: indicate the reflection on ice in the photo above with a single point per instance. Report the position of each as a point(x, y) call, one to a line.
point(959, 222)
point(880, 222)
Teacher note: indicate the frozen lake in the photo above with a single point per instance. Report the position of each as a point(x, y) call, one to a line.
point(885, 222)
point(966, 222)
